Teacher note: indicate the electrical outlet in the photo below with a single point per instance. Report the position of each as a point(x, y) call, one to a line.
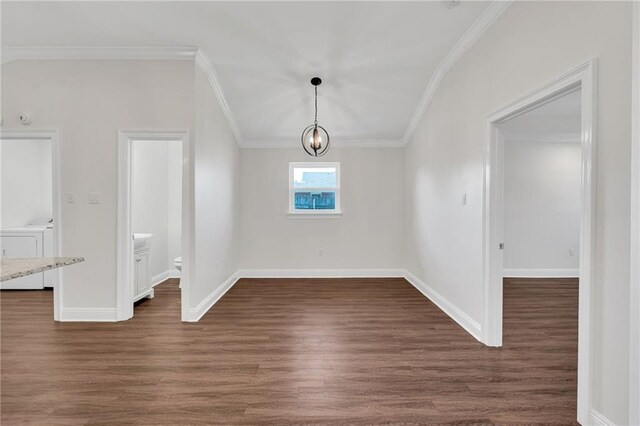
point(571, 252)
point(70, 199)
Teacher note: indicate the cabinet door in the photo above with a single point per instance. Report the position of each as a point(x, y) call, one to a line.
point(21, 246)
point(142, 273)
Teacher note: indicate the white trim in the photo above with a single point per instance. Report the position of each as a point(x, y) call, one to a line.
point(541, 273)
point(207, 67)
point(51, 135)
point(203, 307)
point(124, 286)
point(321, 273)
point(163, 276)
point(288, 142)
point(314, 215)
point(181, 53)
point(482, 24)
point(10, 54)
point(89, 314)
point(195, 314)
point(457, 314)
point(583, 76)
point(634, 290)
point(466, 322)
point(597, 419)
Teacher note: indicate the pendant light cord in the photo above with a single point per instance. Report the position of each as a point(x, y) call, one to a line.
point(316, 119)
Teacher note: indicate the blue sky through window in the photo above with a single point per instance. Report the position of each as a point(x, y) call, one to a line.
point(304, 177)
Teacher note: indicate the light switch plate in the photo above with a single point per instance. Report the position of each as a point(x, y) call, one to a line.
point(94, 198)
point(70, 199)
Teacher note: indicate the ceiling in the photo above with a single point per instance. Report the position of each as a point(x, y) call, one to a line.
point(376, 58)
point(558, 120)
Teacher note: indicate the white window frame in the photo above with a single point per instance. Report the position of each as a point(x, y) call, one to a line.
point(316, 213)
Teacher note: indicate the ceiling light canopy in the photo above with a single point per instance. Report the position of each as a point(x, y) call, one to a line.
point(315, 139)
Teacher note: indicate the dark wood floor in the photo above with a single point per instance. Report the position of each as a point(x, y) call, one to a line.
point(365, 351)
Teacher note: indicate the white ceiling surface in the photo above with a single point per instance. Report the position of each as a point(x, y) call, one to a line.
point(376, 58)
point(558, 120)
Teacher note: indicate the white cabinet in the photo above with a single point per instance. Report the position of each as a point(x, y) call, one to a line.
point(141, 278)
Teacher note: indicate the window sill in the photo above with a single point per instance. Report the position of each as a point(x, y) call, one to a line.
point(314, 215)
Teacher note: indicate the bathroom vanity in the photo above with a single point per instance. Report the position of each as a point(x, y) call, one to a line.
point(141, 276)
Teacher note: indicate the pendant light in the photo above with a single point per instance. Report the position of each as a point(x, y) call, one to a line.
point(315, 139)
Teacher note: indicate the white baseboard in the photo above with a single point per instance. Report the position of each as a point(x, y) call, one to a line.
point(198, 312)
point(162, 277)
point(464, 320)
point(89, 314)
point(195, 314)
point(596, 418)
point(321, 273)
point(541, 273)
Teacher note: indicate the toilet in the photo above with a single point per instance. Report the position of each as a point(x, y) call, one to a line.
point(177, 262)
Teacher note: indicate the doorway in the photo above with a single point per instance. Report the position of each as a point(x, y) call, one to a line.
point(541, 235)
point(580, 79)
point(30, 204)
point(153, 215)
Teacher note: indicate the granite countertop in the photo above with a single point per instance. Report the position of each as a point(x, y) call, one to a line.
point(16, 267)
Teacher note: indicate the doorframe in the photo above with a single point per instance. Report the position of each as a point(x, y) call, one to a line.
point(124, 298)
point(50, 135)
point(634, 288)
point(584, 76)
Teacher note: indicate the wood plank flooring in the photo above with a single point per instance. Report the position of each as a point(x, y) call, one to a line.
point(324, 351)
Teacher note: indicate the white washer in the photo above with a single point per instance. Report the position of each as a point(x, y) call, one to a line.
point(28, 241)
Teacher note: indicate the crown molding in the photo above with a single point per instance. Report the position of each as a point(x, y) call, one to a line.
point(335, 142)
point(10, 54)
point(187, 53)
point(482, 24)
point(207, 67)
point(478, 28)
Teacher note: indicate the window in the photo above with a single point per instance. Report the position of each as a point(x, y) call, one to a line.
point(314, 188)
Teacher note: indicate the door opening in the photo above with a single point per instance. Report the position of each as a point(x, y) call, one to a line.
point(153, 215)
point(541, 235)
point(30, 204)
point(579, 80)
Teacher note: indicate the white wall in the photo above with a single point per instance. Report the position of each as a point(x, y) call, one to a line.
point(368, 235)
point(156, 199)
point(88, 102)
point(530, 44)
point(216, 157)
point(541, 206)
point(26, 181)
